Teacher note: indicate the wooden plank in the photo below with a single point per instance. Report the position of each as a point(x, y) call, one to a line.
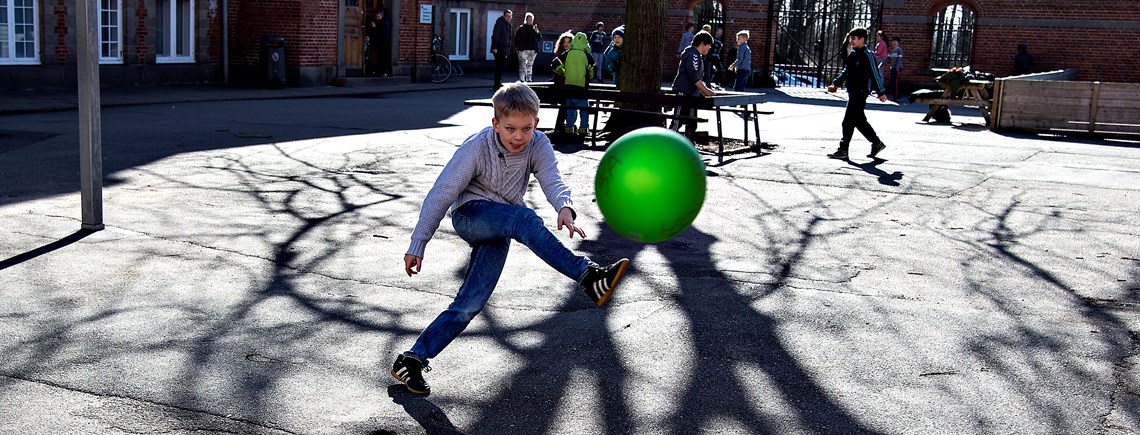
point(1070, 111)
point(999, 95)
point(1045, 96)
point(1058, 116)
point(1092, 106)
point(1119, 92)
point(1120, 128)
point(1021, 119)
point(1122, 87)
point(1036, 99)
point(948, 102)
point(1047, 126)
point(1118, 103)
point(1067, 112)
point(1050, 93)
point(1052, 85)
point(1066, 74)
point(1120, 116)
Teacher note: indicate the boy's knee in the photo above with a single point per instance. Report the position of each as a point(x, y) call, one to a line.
point(529, 217)
point(466, 312)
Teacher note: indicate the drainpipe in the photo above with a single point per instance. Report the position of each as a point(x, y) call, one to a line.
point(770, 38)
point(225, 42)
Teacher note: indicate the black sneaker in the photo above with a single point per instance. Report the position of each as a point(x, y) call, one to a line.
point(409, 371)
point(600, 282)
point(840, 155)
point(875, 148)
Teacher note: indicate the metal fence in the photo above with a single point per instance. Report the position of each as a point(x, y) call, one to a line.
point(953, 37)
point(810, 46)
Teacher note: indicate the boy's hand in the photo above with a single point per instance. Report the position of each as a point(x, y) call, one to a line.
point(831, 88)
point(566, 218)
point(883, 98)
point(412, 261)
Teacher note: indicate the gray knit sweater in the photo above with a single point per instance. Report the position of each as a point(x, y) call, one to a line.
point(483, 169)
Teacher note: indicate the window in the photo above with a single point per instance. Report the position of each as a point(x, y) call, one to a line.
point(953, 40)
point(459, 35)
point(175, 31)
point(110, 31)
point(18, 29)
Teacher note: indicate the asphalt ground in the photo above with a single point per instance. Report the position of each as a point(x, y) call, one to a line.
point(249, 280)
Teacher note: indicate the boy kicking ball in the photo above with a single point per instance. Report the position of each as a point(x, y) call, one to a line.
point(484, 183)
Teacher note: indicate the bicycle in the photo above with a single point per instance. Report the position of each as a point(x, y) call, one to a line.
point(440, 64)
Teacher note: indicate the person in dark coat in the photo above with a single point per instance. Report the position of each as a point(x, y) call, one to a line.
point(689, 81)
point(1023, 62)
point(377, 34)
point(501, 45)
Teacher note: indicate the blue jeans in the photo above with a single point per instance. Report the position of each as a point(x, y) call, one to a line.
point(488, 227)
point(599, 63)
point(741, 79)
point(572, 113)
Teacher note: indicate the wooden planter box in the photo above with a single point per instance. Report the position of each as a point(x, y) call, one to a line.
point(1040, 103)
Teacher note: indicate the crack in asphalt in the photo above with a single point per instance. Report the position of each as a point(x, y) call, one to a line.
point(1120, 385)
point(152, 404)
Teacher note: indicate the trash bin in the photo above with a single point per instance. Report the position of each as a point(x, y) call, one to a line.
point(273, 60)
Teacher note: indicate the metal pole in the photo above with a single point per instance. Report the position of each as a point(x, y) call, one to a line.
point(225, 42)
point(770, 39)
point(90, 137)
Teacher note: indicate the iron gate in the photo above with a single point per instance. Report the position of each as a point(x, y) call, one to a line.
point(709, 12)
point(809, 49)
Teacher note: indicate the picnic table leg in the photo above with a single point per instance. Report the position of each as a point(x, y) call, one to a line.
point(756, 125)
point(930, 113)
point(746, 114)
point(720, 138)
point(594, 137)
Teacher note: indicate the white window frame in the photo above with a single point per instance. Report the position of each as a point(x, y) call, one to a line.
point(116, 29)
point(493, 15)
point(459, 48)
point(8, 55)
point(171, 21)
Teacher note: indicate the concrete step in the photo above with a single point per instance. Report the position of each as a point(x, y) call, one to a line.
point(349, 82)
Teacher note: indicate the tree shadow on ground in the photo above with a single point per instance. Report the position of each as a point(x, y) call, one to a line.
point(726, 334)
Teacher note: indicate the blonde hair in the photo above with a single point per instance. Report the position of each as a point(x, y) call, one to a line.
point(515, 98)
point(528, 15)
point(742, 33)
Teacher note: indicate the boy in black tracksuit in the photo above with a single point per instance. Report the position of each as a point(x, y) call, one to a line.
point(860, 74)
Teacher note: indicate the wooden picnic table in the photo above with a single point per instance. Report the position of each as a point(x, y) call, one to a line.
point(724, 101)
point(969, 93)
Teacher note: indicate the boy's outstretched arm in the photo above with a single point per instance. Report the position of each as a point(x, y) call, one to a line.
point(566, 218)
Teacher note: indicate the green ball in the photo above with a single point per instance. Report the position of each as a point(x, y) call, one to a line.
point(650, 184)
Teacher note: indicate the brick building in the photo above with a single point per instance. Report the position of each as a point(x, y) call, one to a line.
point(180, 41)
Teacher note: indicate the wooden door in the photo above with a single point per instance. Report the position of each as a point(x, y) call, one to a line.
point(353, 38)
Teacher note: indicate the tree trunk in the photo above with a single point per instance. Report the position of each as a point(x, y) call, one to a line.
point(640, 63)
